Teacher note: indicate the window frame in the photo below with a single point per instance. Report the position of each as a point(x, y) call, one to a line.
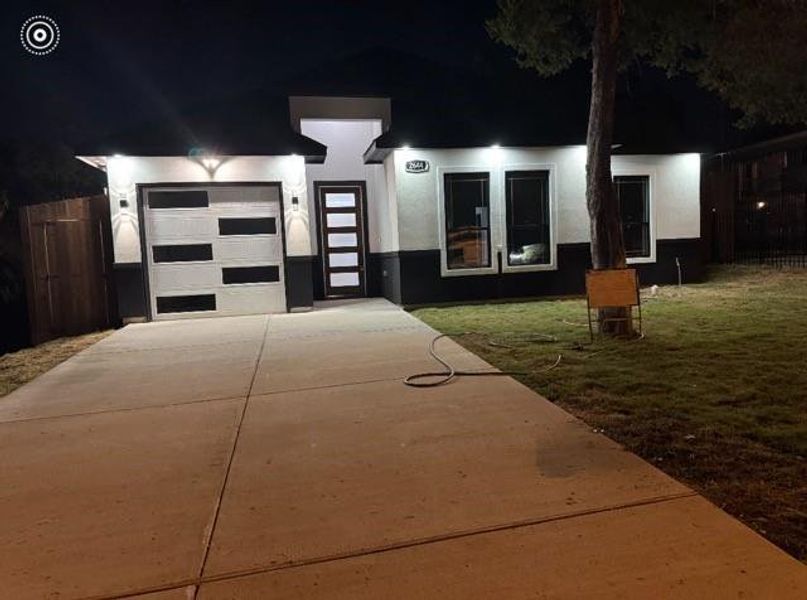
point(627, 171)
point(552, 265)
point(494, 200)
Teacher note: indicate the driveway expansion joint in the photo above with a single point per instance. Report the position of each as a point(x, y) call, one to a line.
point(448, 537)
point(121, 410)
point(199, 581)
point(212, 529)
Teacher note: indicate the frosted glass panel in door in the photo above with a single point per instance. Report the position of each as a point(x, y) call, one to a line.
point(339, 200)
point(343, 259)
point(342, 220)
point(341, 240)
point(344, 279)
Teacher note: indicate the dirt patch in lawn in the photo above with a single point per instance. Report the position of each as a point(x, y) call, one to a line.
point(715, 395)
point(18, 368)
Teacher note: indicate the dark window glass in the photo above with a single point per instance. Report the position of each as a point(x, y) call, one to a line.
point(178, 199)
point(247, 226)
point(250, 274)
point(467, 198)
point(633, 194)
point(528, 222)
point(182, 252)
point(177, 304)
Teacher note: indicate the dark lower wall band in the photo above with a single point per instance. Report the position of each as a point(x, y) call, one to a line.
point(130, 290)
point(300, 281)
point(413, 277)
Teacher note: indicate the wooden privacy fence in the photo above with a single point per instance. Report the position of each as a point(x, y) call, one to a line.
point(68, 265)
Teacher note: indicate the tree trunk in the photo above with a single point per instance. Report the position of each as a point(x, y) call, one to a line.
point(607, 246)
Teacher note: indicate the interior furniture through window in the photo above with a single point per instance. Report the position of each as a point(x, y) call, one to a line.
point(467, 213)
point(527, 217)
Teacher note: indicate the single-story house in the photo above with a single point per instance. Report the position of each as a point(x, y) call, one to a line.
point(323, 197)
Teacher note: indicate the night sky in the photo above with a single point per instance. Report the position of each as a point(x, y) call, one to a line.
point(118, 63)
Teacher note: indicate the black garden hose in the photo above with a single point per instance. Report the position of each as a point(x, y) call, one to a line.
point(450, 373)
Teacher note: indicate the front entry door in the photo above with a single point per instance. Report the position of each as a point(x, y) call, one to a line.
point(342, 227)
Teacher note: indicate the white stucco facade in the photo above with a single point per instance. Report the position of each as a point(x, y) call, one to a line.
point(405, 255)
point(380, 226)
point(405, 209)
point(346, 140)
point(674, 192)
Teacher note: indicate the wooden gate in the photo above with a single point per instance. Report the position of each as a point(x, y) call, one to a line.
point(68, 264)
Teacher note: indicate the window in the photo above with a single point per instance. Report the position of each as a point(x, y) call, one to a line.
point(176, 304)
point(467, 212)
point(182, 253)
point(231, 275)
point(527, 217)
point(247, 226)
point(178, 199)
point(633, 195)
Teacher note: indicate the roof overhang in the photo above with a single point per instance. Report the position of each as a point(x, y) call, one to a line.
point(99, 161)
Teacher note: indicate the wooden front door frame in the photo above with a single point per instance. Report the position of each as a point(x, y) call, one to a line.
point(359, 186)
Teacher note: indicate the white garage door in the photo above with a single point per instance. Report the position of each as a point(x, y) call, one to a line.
point(214, 251)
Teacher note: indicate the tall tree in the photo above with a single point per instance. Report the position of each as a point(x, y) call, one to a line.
point(751, 53)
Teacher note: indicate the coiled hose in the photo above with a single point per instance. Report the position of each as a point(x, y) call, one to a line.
point(451, 373)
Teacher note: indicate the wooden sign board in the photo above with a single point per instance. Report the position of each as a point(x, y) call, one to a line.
point(612, 288)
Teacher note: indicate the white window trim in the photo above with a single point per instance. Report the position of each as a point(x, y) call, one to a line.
point(651, 176)
point(494, 201)
point(552, 265)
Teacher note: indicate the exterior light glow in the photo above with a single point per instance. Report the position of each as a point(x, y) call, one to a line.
point(761, 205)
point(210, 163)
point(405, 147)
point(494, 154)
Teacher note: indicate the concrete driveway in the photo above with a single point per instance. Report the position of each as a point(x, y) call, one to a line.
point(281, 457)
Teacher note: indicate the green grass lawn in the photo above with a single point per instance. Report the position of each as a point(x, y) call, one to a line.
point(715, 394)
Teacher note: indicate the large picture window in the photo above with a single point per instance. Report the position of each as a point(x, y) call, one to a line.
point(527, 217)
point(467, 211)
point(633, 195)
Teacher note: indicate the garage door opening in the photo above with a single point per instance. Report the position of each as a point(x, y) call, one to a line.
point(213, 250)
